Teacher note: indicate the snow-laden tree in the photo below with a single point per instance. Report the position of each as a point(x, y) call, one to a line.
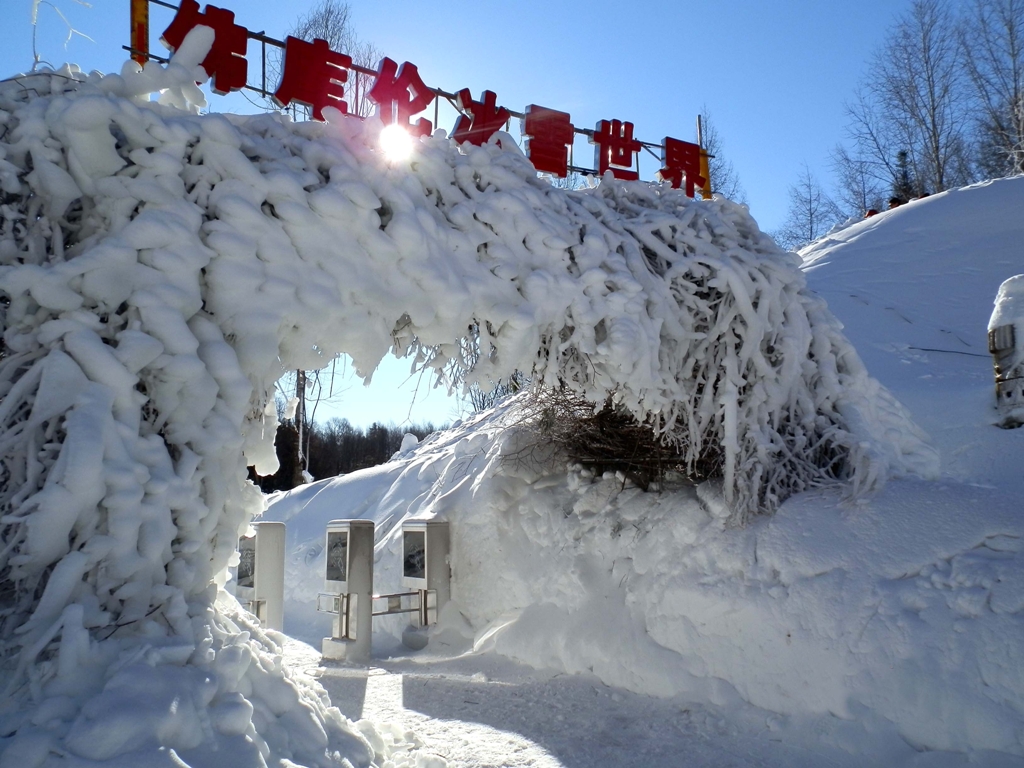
point(159, 272)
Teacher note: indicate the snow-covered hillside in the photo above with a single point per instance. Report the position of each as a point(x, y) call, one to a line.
point(915, 288)
point(902, 613)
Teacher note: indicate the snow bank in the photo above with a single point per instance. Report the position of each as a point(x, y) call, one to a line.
point(159, 270)
point(124, 413)
point(906, 608)
point(914, 288)
point(901, 611)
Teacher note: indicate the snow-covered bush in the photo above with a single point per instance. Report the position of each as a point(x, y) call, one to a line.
point(159, 270)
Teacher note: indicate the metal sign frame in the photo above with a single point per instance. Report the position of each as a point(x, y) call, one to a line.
point(139, 50)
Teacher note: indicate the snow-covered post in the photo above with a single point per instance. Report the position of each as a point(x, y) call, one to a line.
point(269, 574)
point(425, 566)
point(348, 583)
point(1006, 343)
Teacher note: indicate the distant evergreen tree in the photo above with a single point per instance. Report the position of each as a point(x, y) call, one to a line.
point(904, 186)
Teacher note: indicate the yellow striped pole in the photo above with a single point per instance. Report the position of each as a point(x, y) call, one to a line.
point(705, 169)
point(140, 30)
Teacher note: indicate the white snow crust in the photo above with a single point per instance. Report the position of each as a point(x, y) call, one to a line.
point(160, 270)
point(898, 614)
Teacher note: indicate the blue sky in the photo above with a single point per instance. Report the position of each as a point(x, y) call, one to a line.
point(773, 75)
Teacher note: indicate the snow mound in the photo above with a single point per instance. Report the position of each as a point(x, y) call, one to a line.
point(159, 270)
point(902, 611)
point(915, 288)
point(905, 608)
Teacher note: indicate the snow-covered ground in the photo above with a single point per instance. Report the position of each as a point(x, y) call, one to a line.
point(884, 630)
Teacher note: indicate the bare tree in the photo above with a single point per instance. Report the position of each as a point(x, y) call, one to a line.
point(331, 20)
point(724, 179)
point(916, 100)
point(811, 214)
point(859, 187)
point(920, 82)
point(481, 399)
point(875, 142)
point(992, 36)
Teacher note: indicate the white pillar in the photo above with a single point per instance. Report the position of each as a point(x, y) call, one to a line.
point(349, 573)
point(426, 563)
point(269, 580)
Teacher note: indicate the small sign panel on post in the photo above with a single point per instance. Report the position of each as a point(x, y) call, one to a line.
point(246, 578)
point(1006, 343)
point(337, 555)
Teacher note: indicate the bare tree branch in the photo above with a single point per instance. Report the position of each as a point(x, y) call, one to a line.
point(812, 213)
point(915, 99)
point(992, 37)
point(331, 20)
point(724, 179)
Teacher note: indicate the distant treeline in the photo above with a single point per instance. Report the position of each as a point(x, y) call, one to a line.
point(335, 448)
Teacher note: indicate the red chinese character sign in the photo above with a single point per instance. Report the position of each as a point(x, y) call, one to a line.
point(614, 148)
point(313, 75)
point(548, 134)
point(400, 93)
point(682, 161)
point(482, 119)
point(225, 64)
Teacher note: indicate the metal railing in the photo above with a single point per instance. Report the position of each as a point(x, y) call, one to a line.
point(341, 604)
point(395, 604)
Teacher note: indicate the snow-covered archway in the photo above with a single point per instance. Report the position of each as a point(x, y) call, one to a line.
point(159, 270)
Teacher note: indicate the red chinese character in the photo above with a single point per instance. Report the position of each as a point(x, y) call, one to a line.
point(681, 159)
point(614, 147)
point(313, 75)
point(225, 63)
point(399, 94)
point(482, 118)
point(548, 133)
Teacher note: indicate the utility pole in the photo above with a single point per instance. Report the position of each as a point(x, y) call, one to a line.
point(705, 165)
point(300, 426)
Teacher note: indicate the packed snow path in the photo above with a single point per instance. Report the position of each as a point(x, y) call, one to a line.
point(487, 712)
point(159, 270)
